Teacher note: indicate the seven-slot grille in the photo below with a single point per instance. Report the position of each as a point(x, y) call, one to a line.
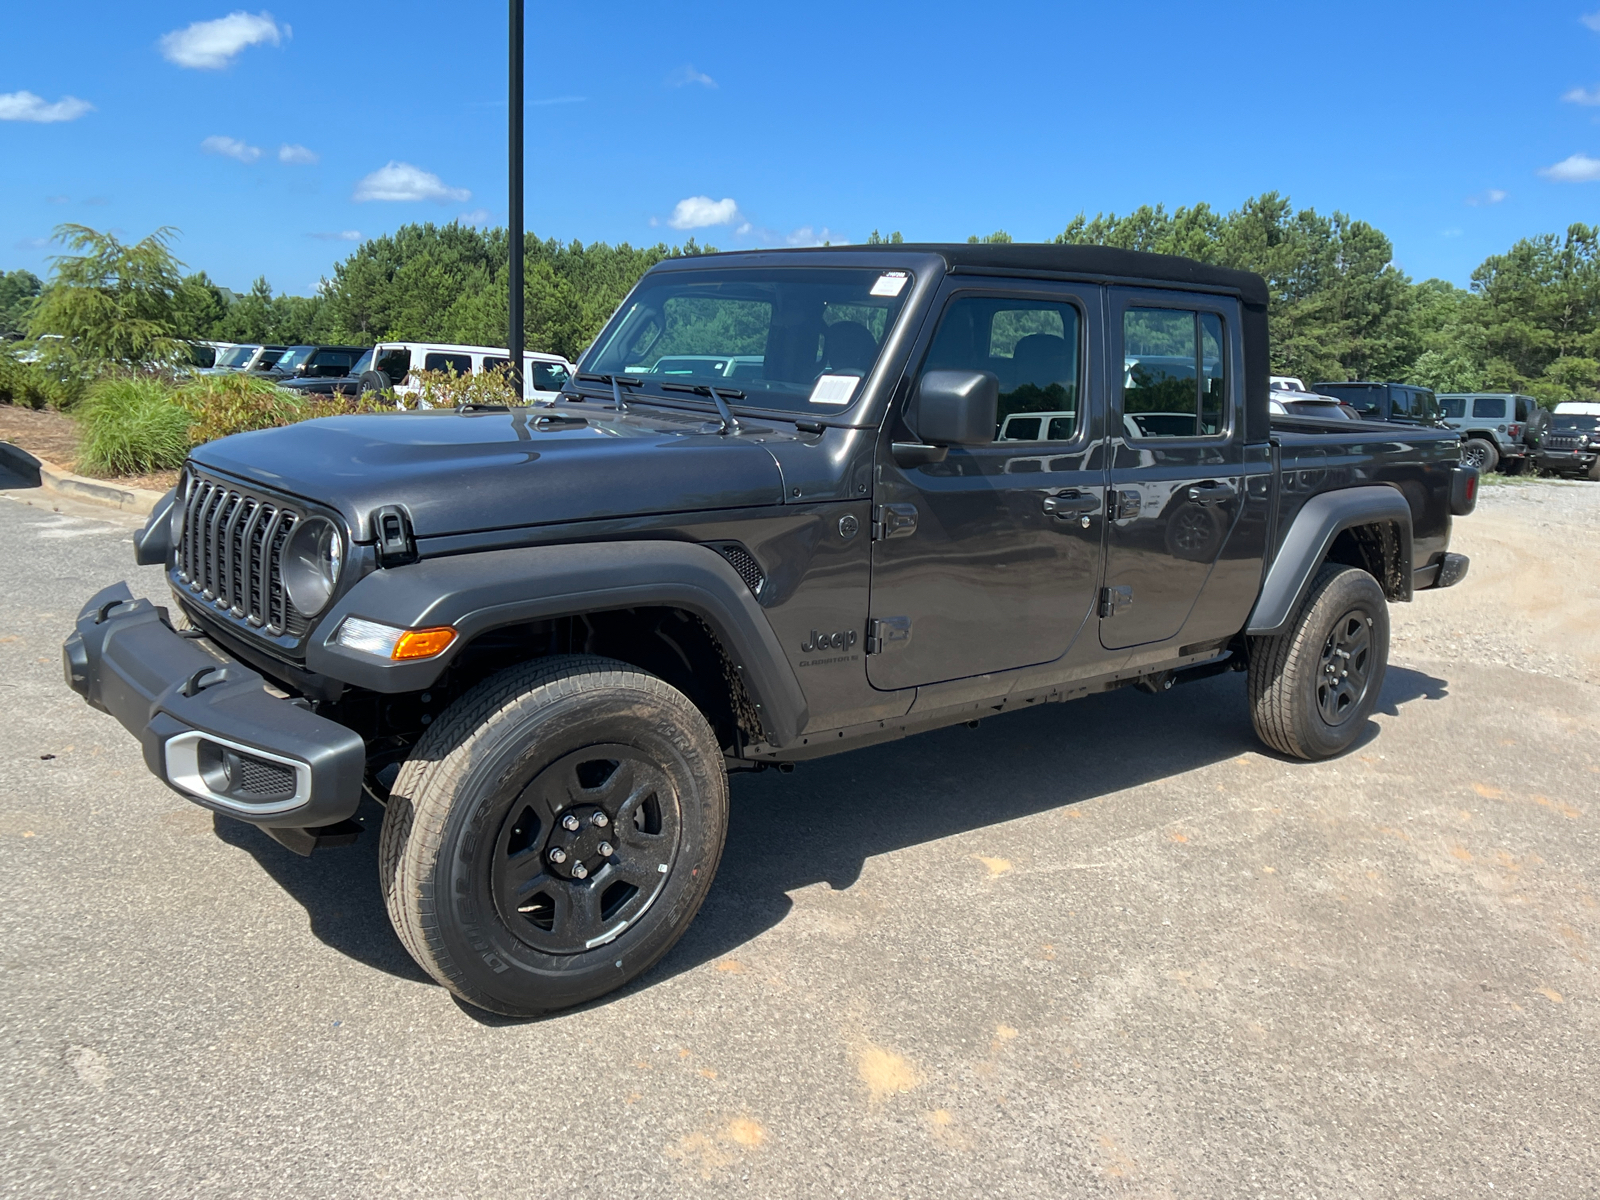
point(232, 554)
point(1564, 442)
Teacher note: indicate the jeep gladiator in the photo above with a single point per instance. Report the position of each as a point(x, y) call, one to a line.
point(793, 503)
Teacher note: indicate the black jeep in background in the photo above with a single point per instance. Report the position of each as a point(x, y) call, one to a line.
point(944, 482)
point(1401, 402)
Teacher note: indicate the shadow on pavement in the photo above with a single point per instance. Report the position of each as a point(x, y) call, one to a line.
point(823, 822)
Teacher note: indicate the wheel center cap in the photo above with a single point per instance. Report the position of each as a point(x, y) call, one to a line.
point(581, 842)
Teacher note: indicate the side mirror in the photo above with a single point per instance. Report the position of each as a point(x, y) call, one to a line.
point(956, 408)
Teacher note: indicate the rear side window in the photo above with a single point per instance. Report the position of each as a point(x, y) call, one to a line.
point(1031, 346)
point(1489, 408)
point(437, 360)
point(333, 358)
point(1175, 378)
point(1452, 406)
point(396, 364)
point(1524, 408)
point(1399, 402)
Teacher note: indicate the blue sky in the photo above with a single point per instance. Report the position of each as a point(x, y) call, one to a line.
point(274, 138)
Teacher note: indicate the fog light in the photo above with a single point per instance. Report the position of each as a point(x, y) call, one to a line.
point(386, 641)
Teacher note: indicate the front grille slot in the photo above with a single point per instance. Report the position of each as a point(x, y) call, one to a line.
point(231, 555)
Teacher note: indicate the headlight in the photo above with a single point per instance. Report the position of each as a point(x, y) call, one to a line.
point(311, 564)
point(180, 503)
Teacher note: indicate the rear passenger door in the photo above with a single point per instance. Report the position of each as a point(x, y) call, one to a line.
point(1177, 458)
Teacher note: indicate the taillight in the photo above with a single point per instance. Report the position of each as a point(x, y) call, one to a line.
point(1515, 431)
point(1472, 489)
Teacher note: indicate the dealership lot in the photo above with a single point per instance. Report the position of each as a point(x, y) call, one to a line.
point(1106, 948)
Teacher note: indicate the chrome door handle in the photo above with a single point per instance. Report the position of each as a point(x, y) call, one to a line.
point(1212, 492)
point(1071, 504)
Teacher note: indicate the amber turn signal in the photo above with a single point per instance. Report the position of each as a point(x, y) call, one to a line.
point(423, 643)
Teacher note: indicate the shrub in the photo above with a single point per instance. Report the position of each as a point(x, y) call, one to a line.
point(42, 384)
point(131, 426)
point(236, 403)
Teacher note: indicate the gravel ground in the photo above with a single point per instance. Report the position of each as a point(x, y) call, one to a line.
point(1105, 949)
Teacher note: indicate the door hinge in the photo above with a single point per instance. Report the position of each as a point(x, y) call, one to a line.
point(887, 633)
point(1124, 503)
point(893, 520)
point(1114, 599)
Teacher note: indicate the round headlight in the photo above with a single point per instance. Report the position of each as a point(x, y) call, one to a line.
point(180, 502)
point(311, 564)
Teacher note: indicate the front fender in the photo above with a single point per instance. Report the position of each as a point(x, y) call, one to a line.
point(1311, 535)
point(475, 593)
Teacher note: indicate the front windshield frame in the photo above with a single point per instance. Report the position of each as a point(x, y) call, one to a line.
point(797, 298)
point(235, 357)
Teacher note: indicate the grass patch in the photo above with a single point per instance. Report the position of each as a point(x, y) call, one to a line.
point(131, 427)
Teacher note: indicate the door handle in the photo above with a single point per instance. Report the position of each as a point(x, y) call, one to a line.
point(1212, 492)
point(1071, 504)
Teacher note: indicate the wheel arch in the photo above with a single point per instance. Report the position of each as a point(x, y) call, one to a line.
point(1367, 527)
point(598, 584)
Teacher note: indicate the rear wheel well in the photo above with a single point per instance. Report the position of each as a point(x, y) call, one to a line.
point(1374, 549)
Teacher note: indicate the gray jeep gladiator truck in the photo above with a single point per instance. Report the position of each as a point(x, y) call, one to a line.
point(794, 503)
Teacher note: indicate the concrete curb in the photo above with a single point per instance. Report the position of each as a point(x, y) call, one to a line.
point(64, 483)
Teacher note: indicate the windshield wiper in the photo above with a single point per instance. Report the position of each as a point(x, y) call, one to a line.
point(730, 423)
point(617, 382)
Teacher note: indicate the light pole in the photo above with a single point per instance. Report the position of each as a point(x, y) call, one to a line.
point(514, 217)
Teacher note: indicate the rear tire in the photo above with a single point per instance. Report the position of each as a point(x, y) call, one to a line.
point(541, 768)
point(372, 381)
point(1301, 707)
point(1480, 453)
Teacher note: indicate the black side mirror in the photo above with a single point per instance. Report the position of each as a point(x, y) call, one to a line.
point(956, 408)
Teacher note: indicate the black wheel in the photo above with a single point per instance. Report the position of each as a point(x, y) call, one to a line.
point(372, 381)
point(1480, 453)
point(553, 833)
point(1313, 686)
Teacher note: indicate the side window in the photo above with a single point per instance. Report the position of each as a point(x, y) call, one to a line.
point(1426, 407)
point(1399, 403)
point(547, 376)
point(437, 360)
point(1489, 408)
point(1523, 408)
point(396, 364)
point(1175, 374)
point(491, 363)
point(1032, 346)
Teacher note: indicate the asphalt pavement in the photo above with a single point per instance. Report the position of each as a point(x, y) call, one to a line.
point(1108, 948)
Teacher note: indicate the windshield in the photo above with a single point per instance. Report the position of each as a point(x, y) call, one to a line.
point(794, 338)
point(235, 356)
point(1574, 423)
point(1451, 407)
point(363, 364)
point(294, 356)
point(1362, 398)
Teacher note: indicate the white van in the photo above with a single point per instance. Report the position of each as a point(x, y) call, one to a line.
point(543, 375)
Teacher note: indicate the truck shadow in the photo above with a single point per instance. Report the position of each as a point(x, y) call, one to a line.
point(821, 824)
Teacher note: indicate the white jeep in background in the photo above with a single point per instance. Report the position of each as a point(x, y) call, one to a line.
point(399, 365)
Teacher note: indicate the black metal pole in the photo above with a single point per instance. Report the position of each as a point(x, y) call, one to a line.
point(514, 217)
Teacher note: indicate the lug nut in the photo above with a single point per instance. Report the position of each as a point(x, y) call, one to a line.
point(600, 819)
point(569, 823)
point(579, 871)
point(606, 850)
point(558, 855)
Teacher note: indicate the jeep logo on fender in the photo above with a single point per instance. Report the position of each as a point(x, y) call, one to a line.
point(841, 639)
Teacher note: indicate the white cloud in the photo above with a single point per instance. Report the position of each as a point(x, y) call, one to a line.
point(1580, 168)
point(700, 212)
point(342, 235)
point(297, 155)
point(1585, 96)
point(1592, 20)
point(402, 181)
point(807, 236)
point(211, 45)
point(33, 243)
point(1486, 197)
point(686, 75)
point(231, 148)
point(478, 216)
point(25, 106)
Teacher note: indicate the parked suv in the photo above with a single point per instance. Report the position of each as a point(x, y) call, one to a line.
point(396, 365)
point(248, 356)
point(1571, 445)
point(1497, 427)
point(316, 362)
point(1400, 402)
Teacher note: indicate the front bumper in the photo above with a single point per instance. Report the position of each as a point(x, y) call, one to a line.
point(1567, 462)
point(208, 726)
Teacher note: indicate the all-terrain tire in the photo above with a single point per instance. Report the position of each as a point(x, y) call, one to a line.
point(372, 381)
point(1480, 453)
point(1300, 707)
point(477, 812)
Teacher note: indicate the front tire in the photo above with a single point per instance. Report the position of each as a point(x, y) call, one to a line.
point(1480, 453)
point(553, 834)
point(1313, 686)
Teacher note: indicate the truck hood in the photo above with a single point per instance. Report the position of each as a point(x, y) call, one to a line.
point(459, 472)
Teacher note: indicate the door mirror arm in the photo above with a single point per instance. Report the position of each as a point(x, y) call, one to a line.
point(917, 454)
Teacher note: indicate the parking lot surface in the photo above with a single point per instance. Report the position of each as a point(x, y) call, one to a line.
point(1108, 948)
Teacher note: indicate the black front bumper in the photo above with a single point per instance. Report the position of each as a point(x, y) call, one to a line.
point(208, 725)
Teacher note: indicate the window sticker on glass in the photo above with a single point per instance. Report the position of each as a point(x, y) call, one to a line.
point(834, 389)
point(890, 283)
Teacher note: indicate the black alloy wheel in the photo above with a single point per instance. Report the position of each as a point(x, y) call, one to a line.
point(1343, 673)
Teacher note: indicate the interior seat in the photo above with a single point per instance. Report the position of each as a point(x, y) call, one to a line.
point(848, 346)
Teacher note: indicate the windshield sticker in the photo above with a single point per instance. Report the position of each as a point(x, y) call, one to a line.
point(890, 283)
point(834, 389)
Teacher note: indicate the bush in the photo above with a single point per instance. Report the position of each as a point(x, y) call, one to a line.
point(131, 426)
point(45, 384)
point(236, 403)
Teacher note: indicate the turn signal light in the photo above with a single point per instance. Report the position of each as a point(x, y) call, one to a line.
point(423, 643)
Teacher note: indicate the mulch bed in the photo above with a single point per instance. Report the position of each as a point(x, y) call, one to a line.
point(54, 438)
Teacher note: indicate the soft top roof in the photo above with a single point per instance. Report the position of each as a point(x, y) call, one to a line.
point(1032, 258)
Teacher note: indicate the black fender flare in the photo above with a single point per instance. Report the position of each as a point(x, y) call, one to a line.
point(1321, 519)
point(474, 593)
